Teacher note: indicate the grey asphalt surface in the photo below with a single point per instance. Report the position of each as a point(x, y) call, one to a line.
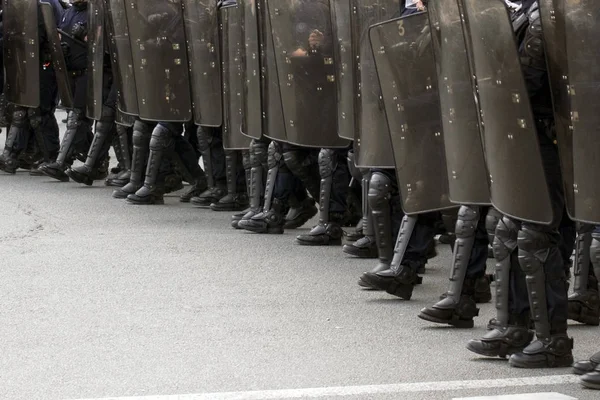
point(100, 298)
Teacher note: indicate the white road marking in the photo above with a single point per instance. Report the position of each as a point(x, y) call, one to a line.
point(365, 390)
point(525, 396)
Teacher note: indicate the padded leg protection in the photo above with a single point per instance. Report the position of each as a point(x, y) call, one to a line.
point(505, 244)
point(379, 195)
point(204, 144)
point(141, 147)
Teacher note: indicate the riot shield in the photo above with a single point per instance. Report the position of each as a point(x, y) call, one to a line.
point(121, 57)
point(21, 52)
point(517, 180)
point(96, 51)
point(553, 22)
point(202, 35)
point(306, 70)
point(272, 113)
point(406, 68)
point(345, 74)
point(467, 174)
point(251, 71)
point(372, 146)
point(58, 57)
point(231, 46)
point(582, 40)
point(160, 60)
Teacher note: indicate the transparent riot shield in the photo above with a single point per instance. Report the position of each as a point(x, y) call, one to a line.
point(160, 60)
point(407, 71)
point(372, 146)
point(231, 47)
point(21, 52)
point(467, 173)
point(251, 71)
point(306, 70)
point(58, 58)
point(121, 57)
point(517, 180)
point(272, 112)
point(202, 34)
point(582, 41)
point(96, 51)
point(345, 74)
point(553, 21)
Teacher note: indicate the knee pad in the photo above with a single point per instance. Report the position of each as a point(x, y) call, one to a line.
point(19, 117)
point(204, 139)
point(275, 155)
point(246, 159)
point(76, 119)
point(380, 191)
point(35, 118)
point(468, 218)
point(534, 248)
point(141, 134)
point(161, 138)
point(492, 219)
point(505, 238)
point(327, 162)
point(259, 153)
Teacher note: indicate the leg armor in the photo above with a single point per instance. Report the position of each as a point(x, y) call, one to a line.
point(542, 263)
point(379, 195)
point(207, 144)
point(584, 303)
point(247, 163)
point(326, 232)
point(363, 176)
point(105, 129)
point(505, 244)
point(235, 200)
point(492, 219)
point(457, 308)
point(141, 146)
point(37, 125)
point(304, 165)
point(122, 178)
point(76, 122)
point(271, 219)
point(8, 159)
point(161, 143)
point(258, 159)
point(384, 279)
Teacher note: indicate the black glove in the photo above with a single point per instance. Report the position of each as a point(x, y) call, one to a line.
point(79, 31)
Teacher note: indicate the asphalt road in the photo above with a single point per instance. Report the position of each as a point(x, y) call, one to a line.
point(104, 299)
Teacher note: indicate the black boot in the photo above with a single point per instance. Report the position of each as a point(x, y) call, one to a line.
point(591, 380)
point(92, 168)
point(502, 341)
point(122, 177)
point(141, 147)
point(152, 191)
point(66, 154)
point(586, 366)
point(271, 221)
point(236, 199)
point(329, 229)
point(300, 213)
point(366, 246)
point(254, 164)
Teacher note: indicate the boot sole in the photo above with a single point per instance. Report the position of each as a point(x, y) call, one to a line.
point(365, 285)
point(146, 203)
point(329, 243)
point(590, 385)
point(559, 362)
point(458, 323)
point(264, 230)
point(492, 353)
point(365, 254)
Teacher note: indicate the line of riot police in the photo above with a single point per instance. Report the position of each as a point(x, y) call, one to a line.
point(398, 118)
